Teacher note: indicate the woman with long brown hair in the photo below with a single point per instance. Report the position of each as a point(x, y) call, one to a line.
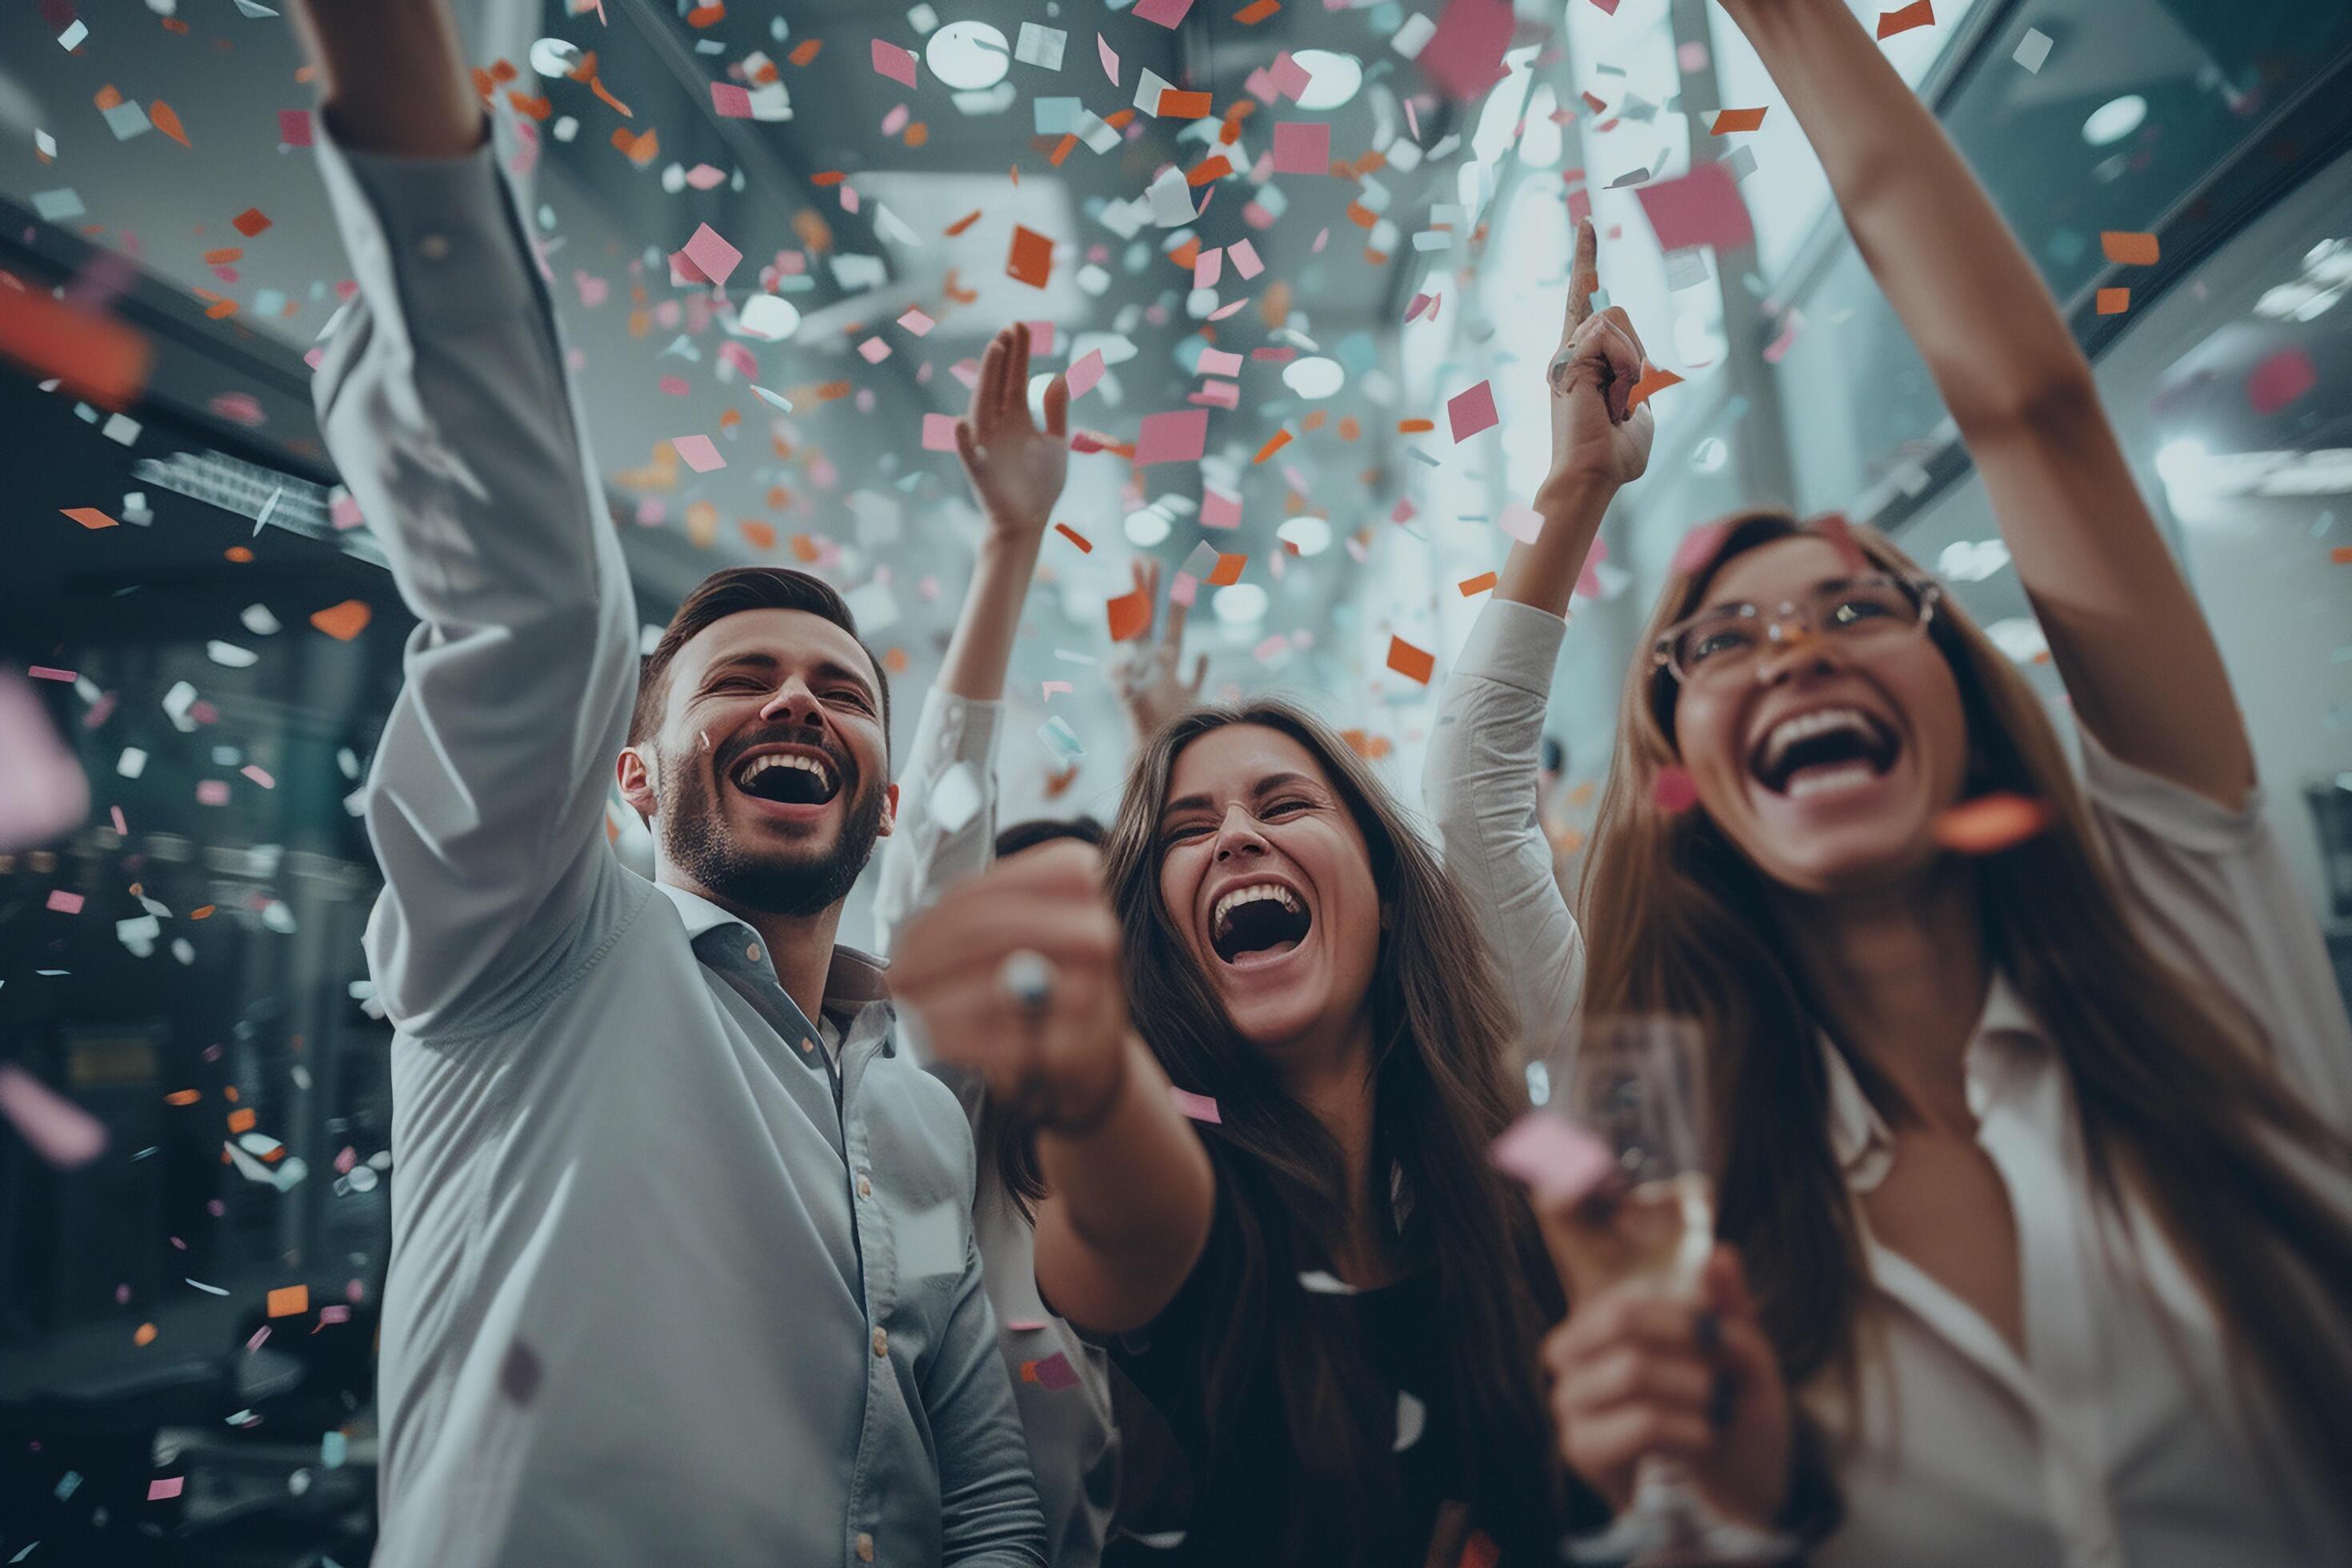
point(2034, 1094)
point(1328, 1295)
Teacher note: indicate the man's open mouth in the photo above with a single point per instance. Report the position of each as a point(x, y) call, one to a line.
point(1262, 918)
point(788, 778)
point(1829, 748)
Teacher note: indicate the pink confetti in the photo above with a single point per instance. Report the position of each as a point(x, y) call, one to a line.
point(938, 433)
point(1109, 59)
point(1245, 257)
point(1031, 1325)
point(1698, 547)
point(697, 453)
point(166, 1486)
point(674, 387)
point(1288, 77)
point(60, 1131)
point(1266, 652)
point(294, 127)
point(64, 903)
point(711, 255)
point(1208, 267)
point(702, 176)
point(894, 62)
point(1167, 13)
point(732, 102)
point(1522, 522)
point(115, 812)
point(915, 321)
point(1176, 437)
point(874, 350)
point(2279, 380)
point(1472, 411)
point(895, 120)
point(1702, 208)
point(1185, 590)
point(1053, 689)
point(1055, 1370)
point(1220, 508)
point(1086, 373)
point(1198, 1107)
point(1302, 147)
point(212, 792)
point(50, 672)
point(1552, 1156)
point(255, 771)
point(1221, 312)
point(1464, 57)
point(1218, 362)
point(1673, 791)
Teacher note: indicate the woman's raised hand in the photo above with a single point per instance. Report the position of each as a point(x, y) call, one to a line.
point(1638, 1371)
point(1060, 1054)
point(1015, 468)
point(1146, 672)
point(1597, 437)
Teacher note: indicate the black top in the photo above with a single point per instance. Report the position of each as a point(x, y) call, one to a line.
point(1257, 1500)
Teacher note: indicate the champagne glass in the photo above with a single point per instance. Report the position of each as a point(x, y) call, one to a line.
point(1636, 1084)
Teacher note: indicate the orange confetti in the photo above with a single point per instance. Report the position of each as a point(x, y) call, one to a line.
point(167, 120)
point(250, 222)
point(640, 149)
point(596, 86)
point(827, 178)
point(2128, 249)
point(242, 1120)
point(1472, 586)
point(1228, 570)
point(1275, 443)
point(1921, 14)
point(1175, 105)
point(1990, 824)
point(344, 621)
point(289, 1301)
point(183, 1097)
point(805, 52)
point(1074, 537)
point(706, 15)
point(1250, 16)
point(2341, 555)
point(89, 517)
point(221, 309)
point(1414, 664)
point(759, 535)
point(2114, 301)
point(1728, 120)
point(961, 224)
point(1128, 615)
point(223, 256)
point(108, 96)
point(1208, 169)
point(1655, 380)
point(145, 1336)
point(1030, 258)
point(919, 134)
point(1415, 427)
point(238, 554)
point(203, 913)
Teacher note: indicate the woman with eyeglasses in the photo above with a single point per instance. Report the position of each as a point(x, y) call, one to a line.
point(2032, 1094)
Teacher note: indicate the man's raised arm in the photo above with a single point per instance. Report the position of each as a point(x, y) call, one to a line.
point(444, 402)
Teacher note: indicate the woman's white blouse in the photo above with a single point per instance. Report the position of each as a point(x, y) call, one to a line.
point(2121, 1436)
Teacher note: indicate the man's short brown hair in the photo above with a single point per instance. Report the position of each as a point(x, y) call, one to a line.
point(728, 592)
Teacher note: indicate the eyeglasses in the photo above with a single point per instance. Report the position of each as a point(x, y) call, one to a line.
point(1729, 638)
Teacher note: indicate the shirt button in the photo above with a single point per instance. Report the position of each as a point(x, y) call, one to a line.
point(865, 1547)
point(434, 248)
point(865, 1187)
point(882, 1342)
point(753, 953)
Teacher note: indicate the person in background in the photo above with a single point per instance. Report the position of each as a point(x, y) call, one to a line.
point(682, 1263)
point(947, 832)
point(2036, 1094)
point(1320, 1283)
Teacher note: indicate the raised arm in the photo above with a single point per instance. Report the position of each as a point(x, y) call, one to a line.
point(1129, 1187)
point(2137, 657)
point(1480, 778)
point(444, 402)
point(1016, 472)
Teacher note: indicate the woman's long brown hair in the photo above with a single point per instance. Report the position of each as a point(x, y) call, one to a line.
point(1441, 1095)
point(2176, 1100)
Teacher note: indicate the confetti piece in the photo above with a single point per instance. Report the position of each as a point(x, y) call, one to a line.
point(1412, 1417)
point(1921, 14)
point(289, 1302)
point(64, 903)
point(1655, 380)
point(1030, 259)
point(1471, 411)
point(731, 102)
point(1522, 522)
point(1702, 208)
point(1414, 664)
point(1109, 60)
point(1023, 1325)
point(1256, 11)
point(2114, 301)
point(1056, 1372)
point(61, 1132)
point(1728, 120)
point(1175, 105)
point(1176, 437)
point(1698, 546)
point(2128, 249)
point(1465, 56)
point(167, 120)
point(1084, 373)
point(1074, 537)
point(250, 222)
point(894, 62)
point(2279, 380)
point(1167, 13)
point(1673, 791)
point(711, 255)
point(342, 621)
point(1472, 586)
point(1197, 1107)
point(697, 453)
point(89, 517)
point(1990, 824)
point(1228, 570)
point(1273, 443)
point(1323, 1282)
point(1302, 147)
point(1128, 614)
point(2033, 49)
point(1551, 1156)
point(164, 1487)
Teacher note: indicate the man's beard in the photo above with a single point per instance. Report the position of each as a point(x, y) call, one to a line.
point(783, 882)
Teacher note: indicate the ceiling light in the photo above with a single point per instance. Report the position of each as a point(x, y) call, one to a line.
point(1242, 604)
point(968, 56)
point(1333, 78)
point(2114, 120)
point(1314, 378)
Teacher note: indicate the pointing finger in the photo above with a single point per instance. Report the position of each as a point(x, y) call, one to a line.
point(1583, 278)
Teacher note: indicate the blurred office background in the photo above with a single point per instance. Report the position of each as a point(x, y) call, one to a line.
point(187, 1320)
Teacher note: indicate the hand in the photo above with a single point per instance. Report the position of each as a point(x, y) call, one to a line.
point(1065, 1064)
point(1636, 1371)
point(1144, 671)
point(1015, 468)
point(1595, 439)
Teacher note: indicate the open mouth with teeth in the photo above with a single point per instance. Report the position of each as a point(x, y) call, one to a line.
point(1263, 919)
point(788, 778)
point(1828, 749)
